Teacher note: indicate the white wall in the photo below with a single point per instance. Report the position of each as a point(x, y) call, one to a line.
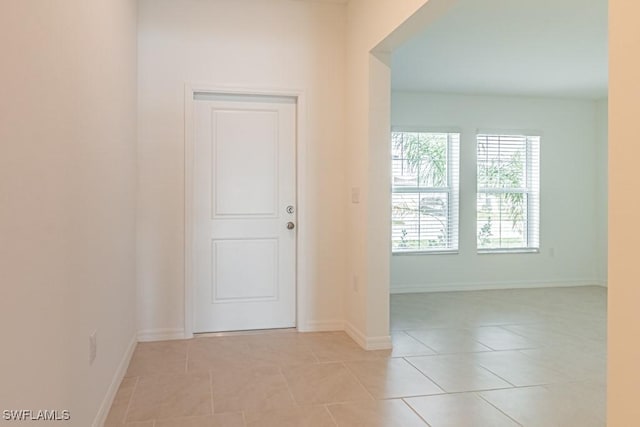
point(278, 44)
point(67, 201)
point(571, 204)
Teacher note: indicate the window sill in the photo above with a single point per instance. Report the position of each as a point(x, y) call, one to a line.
point(508, 251)
point(438, 252)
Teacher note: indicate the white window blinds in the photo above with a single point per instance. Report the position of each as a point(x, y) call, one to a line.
point(425, 173)
point(508, 199)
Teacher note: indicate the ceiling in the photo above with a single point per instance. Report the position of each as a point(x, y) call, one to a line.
point(551, 48)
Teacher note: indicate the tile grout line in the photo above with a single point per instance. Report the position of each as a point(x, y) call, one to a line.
point(456, 353)
point(426, 376)
point(424, 344)
point(286, 382)
point(213, 408)
point(186, 357)
point(350, 372)
point(498, 409)
point(406, 333)
point(126, 412)
point(326, 408)
point(503, 327)
point(349, 402)
point(439, 353)
point(545, 365)
point(493, 373)
point(313, 353)
point(414, 411)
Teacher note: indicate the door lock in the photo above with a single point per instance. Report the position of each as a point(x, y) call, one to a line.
point(290, 209)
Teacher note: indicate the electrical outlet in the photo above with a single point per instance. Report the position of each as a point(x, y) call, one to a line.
point(355, 284)
point(93, 346)
point(552, 252)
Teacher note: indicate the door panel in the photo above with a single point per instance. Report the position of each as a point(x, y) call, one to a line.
point(245, 172)
point(244, 180)
point(230, 260)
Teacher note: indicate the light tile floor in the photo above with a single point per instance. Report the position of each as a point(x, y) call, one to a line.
point(491, 358)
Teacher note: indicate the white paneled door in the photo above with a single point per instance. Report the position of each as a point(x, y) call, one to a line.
point(245, 213)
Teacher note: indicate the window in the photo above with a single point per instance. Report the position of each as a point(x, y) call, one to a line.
point(425, 191)
point(508, 213)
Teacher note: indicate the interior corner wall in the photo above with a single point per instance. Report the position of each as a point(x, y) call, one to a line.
point(249, 44)
point(67, 203)
point(571, 181)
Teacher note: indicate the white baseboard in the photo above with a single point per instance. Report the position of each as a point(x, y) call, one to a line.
point(148, 335)
point(322, 326)
point(368, 343)
point(379, 343)
point(103, 412)
point(482, 286)
point(355, 334)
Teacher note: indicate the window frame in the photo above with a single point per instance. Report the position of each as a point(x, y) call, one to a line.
point(452, 190)
point(531, 190)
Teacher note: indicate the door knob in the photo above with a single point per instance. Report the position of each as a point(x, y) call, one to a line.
point(290, 226)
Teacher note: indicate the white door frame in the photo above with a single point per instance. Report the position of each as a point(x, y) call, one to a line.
point(302, 227)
